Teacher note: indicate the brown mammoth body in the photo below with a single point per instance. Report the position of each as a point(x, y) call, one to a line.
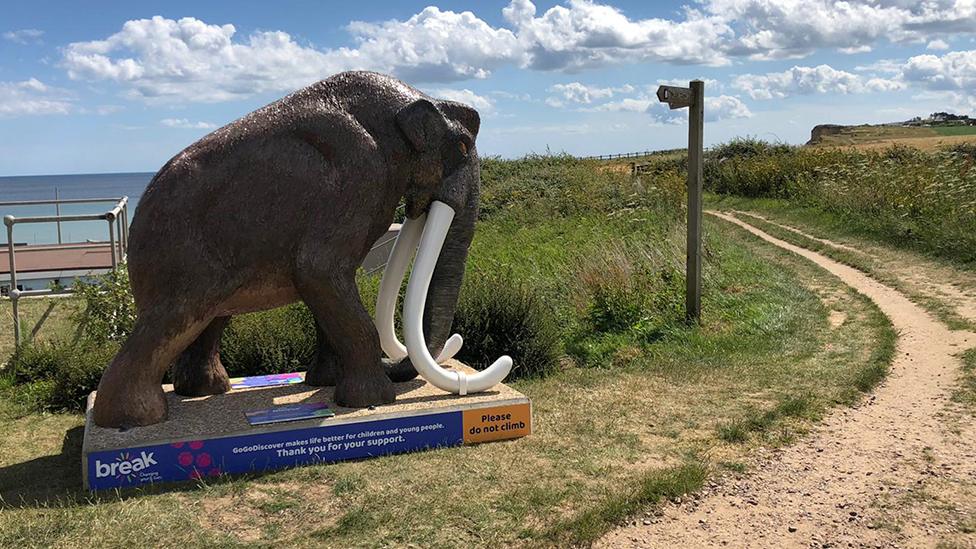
point(283, 205)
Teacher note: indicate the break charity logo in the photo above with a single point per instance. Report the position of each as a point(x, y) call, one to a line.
point(126, 466)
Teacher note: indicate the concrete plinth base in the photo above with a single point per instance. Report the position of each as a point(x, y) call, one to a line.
point(210, 436)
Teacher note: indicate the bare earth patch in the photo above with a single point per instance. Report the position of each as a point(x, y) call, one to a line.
point(837, 318)
point(891, 472)
point(281, 509)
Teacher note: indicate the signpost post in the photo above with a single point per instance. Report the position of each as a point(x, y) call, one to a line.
point(692, 97)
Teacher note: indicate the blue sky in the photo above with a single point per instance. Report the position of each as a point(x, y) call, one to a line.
point(123, 86)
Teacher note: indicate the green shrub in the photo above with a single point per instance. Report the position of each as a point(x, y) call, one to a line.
point(32, 363)
point(965, 151)
point(496, 316)
point(747, 147)
point(276, 341)
point(59, 375)
point(110, 311)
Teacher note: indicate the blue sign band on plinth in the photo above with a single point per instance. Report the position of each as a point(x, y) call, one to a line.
point(196, 459)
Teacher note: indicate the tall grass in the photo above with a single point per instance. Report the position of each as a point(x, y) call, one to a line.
point(925, 200)
point(538, 187)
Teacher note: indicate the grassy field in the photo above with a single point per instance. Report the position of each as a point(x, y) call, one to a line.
point(854, 135)
point(955, 130)
point(879, 137)
point(643, 406)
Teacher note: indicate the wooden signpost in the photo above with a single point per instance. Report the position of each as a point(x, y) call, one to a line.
point(692, 97)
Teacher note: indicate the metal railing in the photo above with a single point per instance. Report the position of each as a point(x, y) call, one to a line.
point(118, 238)
point(620, 155)
point(401, 211)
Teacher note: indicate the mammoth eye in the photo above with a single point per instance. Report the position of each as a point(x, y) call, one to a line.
point(464, 148)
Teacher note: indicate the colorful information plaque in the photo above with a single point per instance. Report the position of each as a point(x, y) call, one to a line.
point(265, 381)
point(289, 412)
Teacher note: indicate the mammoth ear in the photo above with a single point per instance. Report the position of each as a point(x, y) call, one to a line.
point(422, 123)
point(465, 115)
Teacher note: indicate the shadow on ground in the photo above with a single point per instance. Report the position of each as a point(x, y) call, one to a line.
point(46, 480)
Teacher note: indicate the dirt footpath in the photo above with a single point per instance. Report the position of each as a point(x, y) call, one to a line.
point(899, 470)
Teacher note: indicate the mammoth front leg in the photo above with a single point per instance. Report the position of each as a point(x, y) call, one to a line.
point(198, 371)
point(348, 329)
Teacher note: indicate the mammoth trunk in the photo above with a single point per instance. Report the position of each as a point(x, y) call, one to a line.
point(442, 297)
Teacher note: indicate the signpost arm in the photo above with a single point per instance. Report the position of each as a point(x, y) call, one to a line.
point(695, 153)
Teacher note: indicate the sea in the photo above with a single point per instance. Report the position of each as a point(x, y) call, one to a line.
point(46, 187)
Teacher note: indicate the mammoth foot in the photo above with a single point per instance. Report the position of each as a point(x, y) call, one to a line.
point(208, 378)
point(362, 390)
point(324, 371)
point(129, 407)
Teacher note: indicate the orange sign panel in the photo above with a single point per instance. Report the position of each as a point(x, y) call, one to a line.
point(497, 423)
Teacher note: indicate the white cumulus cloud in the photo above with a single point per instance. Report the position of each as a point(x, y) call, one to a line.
point(31, 97)
point(627, 104)
point(725, 107)
point(795, 28)
point(718, 107)
point(161, 59)
point(722, 107)
point(576, 92)
point(186, 124)
point(810, 80)
point(189, 60)
point(585, 34)
point(433, 46)
point(481, 103)
point(951, 71)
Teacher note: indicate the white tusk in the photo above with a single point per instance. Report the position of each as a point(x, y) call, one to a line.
point(451, 348)
point(396, 267)
point(435, 231)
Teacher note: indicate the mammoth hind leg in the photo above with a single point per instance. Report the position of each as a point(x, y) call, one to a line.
point(198, 370)
point(130, 393)
point(324, 369)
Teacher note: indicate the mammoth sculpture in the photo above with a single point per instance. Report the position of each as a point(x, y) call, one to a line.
point(283, 205)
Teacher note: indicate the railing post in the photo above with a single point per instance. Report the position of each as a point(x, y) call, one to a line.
point(57, 210)
point(111, 239)
point(14, 299)
point(125, 227)
point(118, 234)
point(9, 221)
